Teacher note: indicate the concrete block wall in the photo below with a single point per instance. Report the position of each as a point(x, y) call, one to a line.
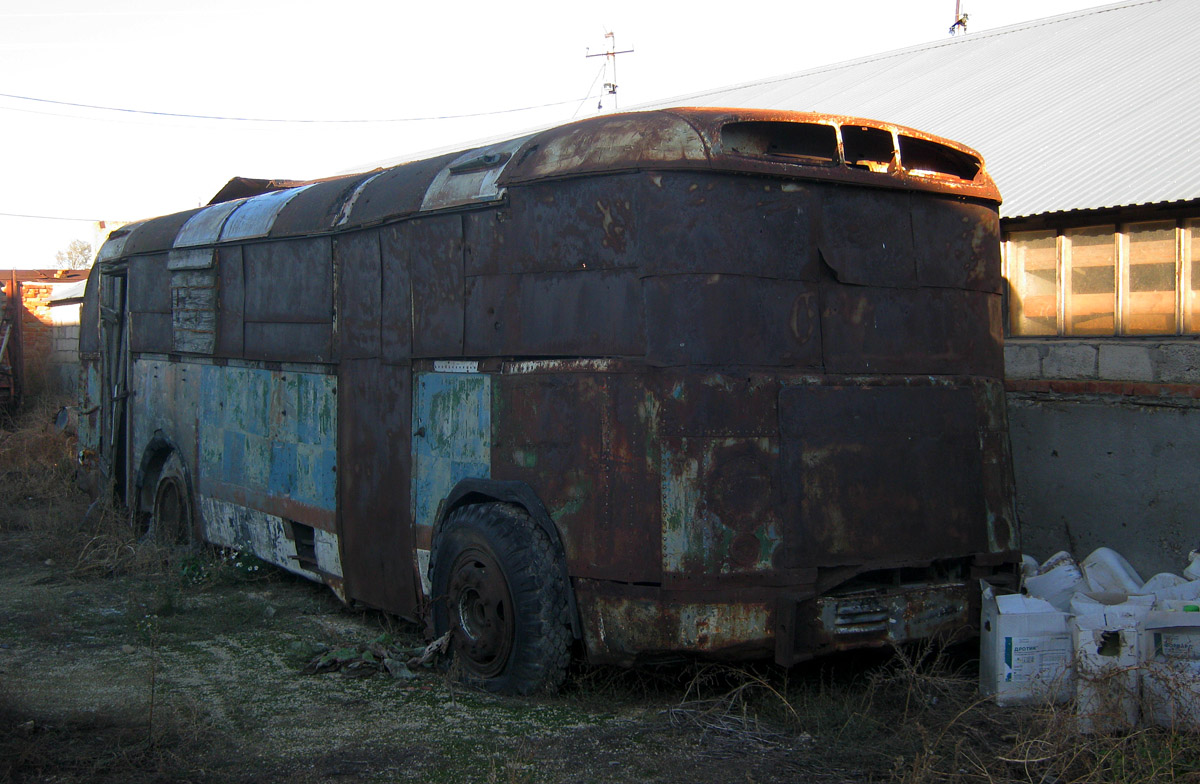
point(1105, 436)
point(1156, 360)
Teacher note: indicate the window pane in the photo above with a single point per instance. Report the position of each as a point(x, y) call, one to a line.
point(1033, 283)
point(1191, 272)
point(1151, 308)
point(1091, 270)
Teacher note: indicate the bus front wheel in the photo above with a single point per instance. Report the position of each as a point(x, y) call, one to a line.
point(499, 592)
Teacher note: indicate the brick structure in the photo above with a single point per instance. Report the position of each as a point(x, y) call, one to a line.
point(46, 359)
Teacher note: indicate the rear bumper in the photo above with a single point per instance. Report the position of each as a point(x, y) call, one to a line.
point(626, 623)
point(872, 617)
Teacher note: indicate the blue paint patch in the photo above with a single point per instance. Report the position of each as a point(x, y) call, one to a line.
point(283, 469)
point(315, 410)
point(233, 457)
point(256, 469)
point(452, 436)
point(316, 480)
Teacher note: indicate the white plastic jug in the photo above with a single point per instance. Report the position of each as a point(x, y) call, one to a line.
point(1192, 570)
point(1107, 570)
point(1058, 579)
point(1029, 565)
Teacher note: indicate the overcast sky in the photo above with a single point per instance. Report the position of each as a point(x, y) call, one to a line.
point(359, 60)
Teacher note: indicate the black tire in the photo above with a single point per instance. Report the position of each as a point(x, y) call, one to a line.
point(170, 521)
point(498, 587)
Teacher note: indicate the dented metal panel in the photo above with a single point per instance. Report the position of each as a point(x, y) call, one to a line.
point(873, 472)
point(554, 314)
point(435, 254)
point(204, 228)
point(623, 624)
point(777, 321)
point(255, 216)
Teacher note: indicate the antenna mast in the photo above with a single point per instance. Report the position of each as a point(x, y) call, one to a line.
point(611, 55)
point(960, 19)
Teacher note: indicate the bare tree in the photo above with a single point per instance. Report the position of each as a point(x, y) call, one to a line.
point(78, 255)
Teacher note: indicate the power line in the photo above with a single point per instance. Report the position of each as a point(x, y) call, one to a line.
point(306, 121)
point(52, 217)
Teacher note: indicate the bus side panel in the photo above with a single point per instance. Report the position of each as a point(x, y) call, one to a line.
point(374, 481)
point(266, 465)
point(579, 440)
point(879, 474)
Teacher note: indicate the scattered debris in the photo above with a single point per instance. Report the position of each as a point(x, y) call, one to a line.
point(380, 655)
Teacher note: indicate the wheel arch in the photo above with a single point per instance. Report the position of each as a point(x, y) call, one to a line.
point(154, 457)
point(469, 492)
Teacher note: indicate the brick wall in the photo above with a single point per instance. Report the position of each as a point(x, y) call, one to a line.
point(49, 341)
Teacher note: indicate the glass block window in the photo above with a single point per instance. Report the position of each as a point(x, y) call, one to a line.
point(1090, 305)
point(1131, 279)
point(1033, 283)
point(1150, 304)
point(1191, 277)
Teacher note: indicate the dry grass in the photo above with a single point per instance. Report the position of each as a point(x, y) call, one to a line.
point(37, 464)
point(917, 718)
point(53, 520)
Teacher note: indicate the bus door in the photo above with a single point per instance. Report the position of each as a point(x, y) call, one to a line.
point(114, 336)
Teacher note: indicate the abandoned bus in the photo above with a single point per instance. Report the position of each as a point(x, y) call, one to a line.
point(725, 382)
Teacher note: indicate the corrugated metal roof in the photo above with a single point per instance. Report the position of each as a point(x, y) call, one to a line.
point(1097, 108)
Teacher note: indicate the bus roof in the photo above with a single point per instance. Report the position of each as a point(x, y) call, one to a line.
point(788, 145)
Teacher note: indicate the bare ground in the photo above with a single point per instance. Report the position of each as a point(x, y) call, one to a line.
point(158, 678)
point(124, 662)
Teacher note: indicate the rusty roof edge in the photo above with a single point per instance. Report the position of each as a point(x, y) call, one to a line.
point(698, 148)
point(707, 122)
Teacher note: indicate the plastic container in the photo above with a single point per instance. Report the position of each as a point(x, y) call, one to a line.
point(1192, 570)
point(1107, 571)
point(1162, 581)
point(1057, 580)
point(1029, 566)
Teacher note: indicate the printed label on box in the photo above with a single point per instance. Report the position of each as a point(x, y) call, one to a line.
point(1034, 658)
point(1176, 645)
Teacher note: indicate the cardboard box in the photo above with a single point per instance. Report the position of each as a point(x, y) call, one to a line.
point(1107, 655)
point(1025, 650)
point(1171, 670)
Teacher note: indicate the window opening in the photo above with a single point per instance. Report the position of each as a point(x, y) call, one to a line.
point(799, 142)
point(867, 148)
point(923, 157)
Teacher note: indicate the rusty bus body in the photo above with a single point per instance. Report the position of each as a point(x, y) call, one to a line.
point(735, 375)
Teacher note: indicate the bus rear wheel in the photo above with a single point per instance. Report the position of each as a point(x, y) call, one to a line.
point(500, 592)
point(170, 520)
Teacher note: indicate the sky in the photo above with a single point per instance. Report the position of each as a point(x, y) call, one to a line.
point(307, 91)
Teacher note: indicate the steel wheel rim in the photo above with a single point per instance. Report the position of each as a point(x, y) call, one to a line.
point(481, 613)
